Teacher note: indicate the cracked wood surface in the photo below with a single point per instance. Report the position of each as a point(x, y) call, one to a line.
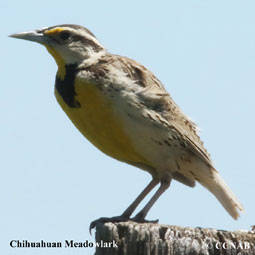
point(155, 239)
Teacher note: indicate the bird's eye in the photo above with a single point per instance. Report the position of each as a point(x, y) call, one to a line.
point(64, 35)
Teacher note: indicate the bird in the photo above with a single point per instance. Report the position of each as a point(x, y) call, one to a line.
point(124, 110)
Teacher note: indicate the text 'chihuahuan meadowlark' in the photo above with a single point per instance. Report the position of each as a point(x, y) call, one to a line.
point(125, 111)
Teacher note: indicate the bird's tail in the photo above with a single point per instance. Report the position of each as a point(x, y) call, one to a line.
point(224, 194)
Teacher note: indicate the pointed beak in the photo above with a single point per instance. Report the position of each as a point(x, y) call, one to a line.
point(34, 36)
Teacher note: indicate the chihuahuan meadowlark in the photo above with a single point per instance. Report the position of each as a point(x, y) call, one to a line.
point(125, 111)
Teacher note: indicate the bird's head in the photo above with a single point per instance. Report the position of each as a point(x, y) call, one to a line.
point(68, 44)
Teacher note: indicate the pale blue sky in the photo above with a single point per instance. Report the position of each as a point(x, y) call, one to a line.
point(54, 183)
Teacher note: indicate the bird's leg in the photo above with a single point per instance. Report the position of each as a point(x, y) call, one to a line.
point(127, 213)
point(125, 216)
point(140, 217)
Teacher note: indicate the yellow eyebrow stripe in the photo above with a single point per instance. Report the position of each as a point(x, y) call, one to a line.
point(53, 31)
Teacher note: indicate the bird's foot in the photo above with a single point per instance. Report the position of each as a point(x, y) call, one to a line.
point(106, 219)
point(143, 220)
point(139, 218)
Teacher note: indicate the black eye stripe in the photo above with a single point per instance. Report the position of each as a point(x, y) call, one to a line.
point(64, 35)
point(67, 37)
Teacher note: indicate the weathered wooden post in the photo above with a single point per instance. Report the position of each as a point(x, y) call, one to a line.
point(129, 238)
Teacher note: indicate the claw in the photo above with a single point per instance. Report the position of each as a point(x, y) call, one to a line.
point(141, 220)
point(91, 226)
point(138, 218)
point(105, 220)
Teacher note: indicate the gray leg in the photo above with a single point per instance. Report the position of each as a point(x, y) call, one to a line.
point(127, 213)
point(142, 214)
point(139, 199)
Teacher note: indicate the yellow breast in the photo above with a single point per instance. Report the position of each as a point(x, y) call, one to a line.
point(97, 121)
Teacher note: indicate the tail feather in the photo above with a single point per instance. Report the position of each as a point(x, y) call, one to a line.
point(223, 193)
